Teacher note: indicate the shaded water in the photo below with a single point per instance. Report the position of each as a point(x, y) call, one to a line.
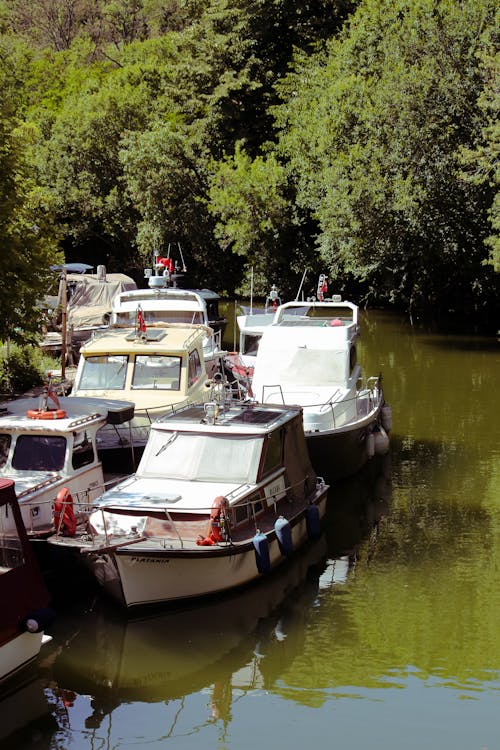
point(384, 634)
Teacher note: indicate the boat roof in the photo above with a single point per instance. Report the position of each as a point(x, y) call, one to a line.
point(79, 412)
point(317, 334)
point(159, 298)
point(238, 418)
point(167, 337)
point(165, 294)
point(254, 323)
point(309, 310)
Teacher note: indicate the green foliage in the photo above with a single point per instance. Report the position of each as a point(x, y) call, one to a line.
point(27, 239)
point(257, 218)
point(372, 133)
point(481, 162)
point(22, 368)
point(141, 123)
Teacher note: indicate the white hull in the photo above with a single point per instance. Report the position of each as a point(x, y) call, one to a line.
point(37, 504)
point(140, 577)
point(19, 652)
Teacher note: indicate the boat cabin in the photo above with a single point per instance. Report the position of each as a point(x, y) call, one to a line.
point(44, 455)
point(157, 368)
point(254, 456)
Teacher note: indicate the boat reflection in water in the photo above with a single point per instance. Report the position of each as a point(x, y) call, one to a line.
point(178, 652)
point(355, 507)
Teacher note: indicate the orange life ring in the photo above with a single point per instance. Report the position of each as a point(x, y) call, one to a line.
point(49, 414)
point(219, 507)
point(64, 515)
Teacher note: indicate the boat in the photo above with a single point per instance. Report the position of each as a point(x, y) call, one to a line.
point(164, 301)
point(239, 364)
point(224, 493)
point(308, 356)
point(52, 453)
point(25, 612)
point(83, 305)
point(157, 367)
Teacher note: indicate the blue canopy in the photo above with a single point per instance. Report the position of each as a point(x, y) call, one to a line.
point(73, 267)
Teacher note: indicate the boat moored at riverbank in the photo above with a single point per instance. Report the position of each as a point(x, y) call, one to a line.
point(308, 356)
point(51, 454)
point(25, 613)
point(225, 492)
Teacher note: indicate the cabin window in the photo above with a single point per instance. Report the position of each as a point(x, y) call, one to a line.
point(159, 372)
point(83, 451)
point(11, 549)
point(39, 453)
point(107, 373)
point(213, 310)
point(250, 344)
point(202, 458)
point(194, 367)
point(240, 513)
point(5, 440)
point(173, 316)
point(249, 509)
point(273, 452)
point(353, 358)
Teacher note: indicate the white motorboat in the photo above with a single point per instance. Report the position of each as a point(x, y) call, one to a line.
point(224, 493)
point(165, 302)
point(157, 367)
point(308, 356)
point(25, 613)
point(51, 453)
point(239, 365)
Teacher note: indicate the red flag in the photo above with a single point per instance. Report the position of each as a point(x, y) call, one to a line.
point(141, 323)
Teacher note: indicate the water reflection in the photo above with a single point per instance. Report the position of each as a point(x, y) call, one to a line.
point(222, 650)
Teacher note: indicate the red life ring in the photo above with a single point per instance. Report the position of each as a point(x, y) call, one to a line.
point(49, 414)
point(219, 507)
point(64, 515)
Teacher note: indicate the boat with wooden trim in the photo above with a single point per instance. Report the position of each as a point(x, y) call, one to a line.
point(224, 493)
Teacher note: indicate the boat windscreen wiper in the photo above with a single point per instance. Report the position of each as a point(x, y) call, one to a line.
point(165, 445)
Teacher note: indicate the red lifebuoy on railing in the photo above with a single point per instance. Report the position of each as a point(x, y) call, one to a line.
point(219, 507)
point(48, 414)
point(64, 515)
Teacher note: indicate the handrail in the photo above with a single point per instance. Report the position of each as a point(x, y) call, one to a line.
point(252, 504)
point(369, 388)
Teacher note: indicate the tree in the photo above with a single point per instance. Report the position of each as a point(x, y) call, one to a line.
point(258, 220)
point(27, 238)
point(372, 133)
point(481, 163)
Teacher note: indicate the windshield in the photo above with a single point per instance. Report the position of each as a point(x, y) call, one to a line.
point(160, 316)
point(106, 372)
point(158, 372)
point(202, 457)
point(39, 453)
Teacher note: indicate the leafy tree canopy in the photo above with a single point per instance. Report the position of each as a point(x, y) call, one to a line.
point(372, 133)
point(27, 239)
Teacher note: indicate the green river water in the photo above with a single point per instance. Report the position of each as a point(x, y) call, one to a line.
point(384, 634)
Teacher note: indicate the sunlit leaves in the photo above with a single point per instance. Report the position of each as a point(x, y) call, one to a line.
point(372, 132)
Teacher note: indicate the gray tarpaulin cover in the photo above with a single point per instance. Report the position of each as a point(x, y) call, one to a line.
point(89, 298)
